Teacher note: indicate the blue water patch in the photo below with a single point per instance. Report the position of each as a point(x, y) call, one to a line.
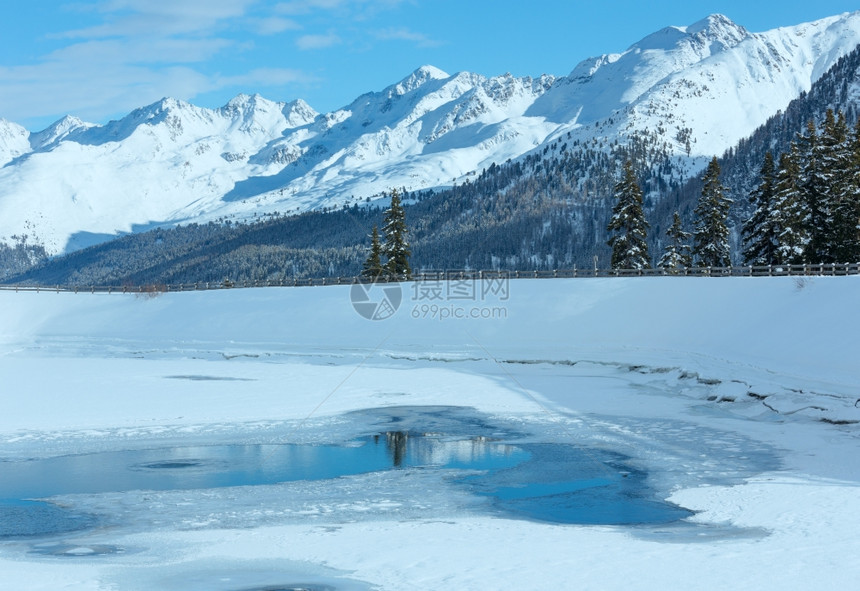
point(217, 466)
point(32, 519)
point(551, 482)
point(572, 484)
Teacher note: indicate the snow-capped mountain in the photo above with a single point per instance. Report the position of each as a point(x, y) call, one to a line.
point(697, 89)
point(14, 141)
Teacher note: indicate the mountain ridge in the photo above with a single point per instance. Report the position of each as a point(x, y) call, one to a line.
point(531, 213)
point(172, 162)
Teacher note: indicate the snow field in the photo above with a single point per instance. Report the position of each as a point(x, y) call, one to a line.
point(720, 387)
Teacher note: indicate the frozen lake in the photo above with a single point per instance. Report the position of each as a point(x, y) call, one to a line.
point(262, 440)
point(518, 475)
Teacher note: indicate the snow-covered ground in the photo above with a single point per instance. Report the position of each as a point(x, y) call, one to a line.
point(738, 396)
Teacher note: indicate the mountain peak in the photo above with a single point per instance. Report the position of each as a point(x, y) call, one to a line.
point(167, 104)
point(249, 104)
point(14, 141)
point(418, 78)
point(428, 71)
point(243, 99)
point(58, 131)
point(713, 29)
point(299, 113)
point(158, 109)
point(719, 27)
point(712, 22)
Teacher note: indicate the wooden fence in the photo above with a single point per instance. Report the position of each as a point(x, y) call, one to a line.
point(435, 276)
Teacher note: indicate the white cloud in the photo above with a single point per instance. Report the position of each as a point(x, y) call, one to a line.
point(306, 42)
point(265, 76)
point(404, 34)
point(274, 25)
point(298, 7)
point(136, 52)
point(94, 92)
point(91, 92)
point(160, 18)
point(132, 52)
point(353, 9)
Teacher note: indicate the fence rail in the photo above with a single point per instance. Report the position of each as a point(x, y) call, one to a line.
point(840, 269)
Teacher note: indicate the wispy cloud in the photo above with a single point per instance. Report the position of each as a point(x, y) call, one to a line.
point(306, 42)
point(260, 76)
point(274, 25)
point(353, 9)
point(130, 52)
point(91, 92)
point(126, 18)
point(139, 51)
point(307, 6)
point(404, 34)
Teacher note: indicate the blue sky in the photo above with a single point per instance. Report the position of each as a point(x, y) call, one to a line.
point(100, 59)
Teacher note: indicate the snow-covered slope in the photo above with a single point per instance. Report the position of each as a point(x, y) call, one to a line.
point(713, 82)
point(13, 141)
point(697, 89)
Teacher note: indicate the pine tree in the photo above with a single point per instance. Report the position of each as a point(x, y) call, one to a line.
point(846, 222)
point(789, 210)
point(815, 183)
point(372, 268)
point(761, 230)
point(396, 246)
point(711, 234)
point(677, 253)
point(629, 245)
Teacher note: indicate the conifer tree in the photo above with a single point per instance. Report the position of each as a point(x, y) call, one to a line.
point(847, 207)
point(816, 180)
point(711, 234)
point(629, 245)
point(677, 253)
point(396, 246)
point(789, 210)
point(373, 268)
point(761, 230)
point(834, 162)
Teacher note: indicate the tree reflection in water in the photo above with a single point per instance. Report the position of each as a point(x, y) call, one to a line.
point(395, 441)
